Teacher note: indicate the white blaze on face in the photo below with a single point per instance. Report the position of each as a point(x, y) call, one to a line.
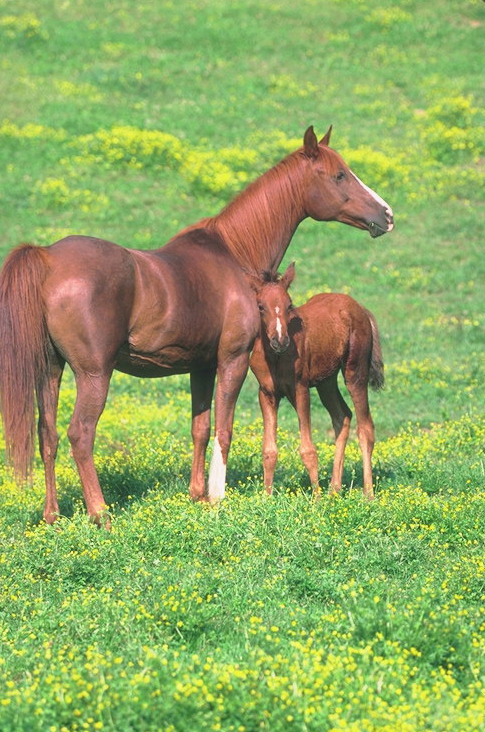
point(217, 474)
point(278, 322)
point(377, 198)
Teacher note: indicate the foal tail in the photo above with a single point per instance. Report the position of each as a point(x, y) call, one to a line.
point(376, 371)
point(23, 351)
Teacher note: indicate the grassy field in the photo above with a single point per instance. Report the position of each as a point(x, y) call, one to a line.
point(129, 121)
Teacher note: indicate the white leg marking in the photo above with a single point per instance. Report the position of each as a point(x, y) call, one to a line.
point(217, 474)
point(377, 198)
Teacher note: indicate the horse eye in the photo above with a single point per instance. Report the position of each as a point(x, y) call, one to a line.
point(341, 175)
point(261, 308)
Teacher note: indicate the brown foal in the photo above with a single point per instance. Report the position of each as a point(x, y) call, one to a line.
point(307, 346)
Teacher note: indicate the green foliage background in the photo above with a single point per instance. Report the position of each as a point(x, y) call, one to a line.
point(129, 121)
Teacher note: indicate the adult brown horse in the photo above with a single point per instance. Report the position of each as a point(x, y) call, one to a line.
point(307, 346)
point(186, 307)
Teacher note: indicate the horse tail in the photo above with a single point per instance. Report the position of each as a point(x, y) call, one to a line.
point(376, 371)
point(23, 351)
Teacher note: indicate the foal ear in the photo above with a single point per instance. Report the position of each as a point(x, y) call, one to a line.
point(310, 143)
point(288, 276)
point(326, 138)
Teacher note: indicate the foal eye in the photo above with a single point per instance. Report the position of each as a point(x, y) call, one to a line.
point(261, 308)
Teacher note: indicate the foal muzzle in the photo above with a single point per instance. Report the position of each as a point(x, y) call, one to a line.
point(280, 346)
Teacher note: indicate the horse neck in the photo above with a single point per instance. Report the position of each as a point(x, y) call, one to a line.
point(258, 224)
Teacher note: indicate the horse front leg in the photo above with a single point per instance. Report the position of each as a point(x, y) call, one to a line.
point(230, 377)
point(92, 390)
point(202, 389)
point(269, 408)
point(308, 452)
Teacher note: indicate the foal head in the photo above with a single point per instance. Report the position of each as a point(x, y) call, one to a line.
point(275, 308)
point(332, 192)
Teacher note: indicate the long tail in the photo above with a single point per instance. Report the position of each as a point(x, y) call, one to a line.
point(23, 351)
point(376, 373)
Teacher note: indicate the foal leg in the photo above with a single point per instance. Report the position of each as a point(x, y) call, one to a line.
point(92, 390)
point(365, 430)
point(47, 400)
point(341, 415)
point(202, 389)
point(307, 448)
point(269, 408)
point(230, 377)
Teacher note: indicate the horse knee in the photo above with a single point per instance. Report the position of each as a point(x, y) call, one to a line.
point(270, 456)
point(201, 434)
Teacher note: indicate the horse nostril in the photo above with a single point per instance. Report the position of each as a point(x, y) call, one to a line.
point(275, 344)
point(285, 342)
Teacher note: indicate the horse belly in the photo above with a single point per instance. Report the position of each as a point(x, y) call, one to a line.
point(165, 361)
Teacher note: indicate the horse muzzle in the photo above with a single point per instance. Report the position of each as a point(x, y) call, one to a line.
point(379, 228)
point(280, 346)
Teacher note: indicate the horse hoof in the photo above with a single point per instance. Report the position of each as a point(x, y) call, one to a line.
point(101, 519)
point(51, 517)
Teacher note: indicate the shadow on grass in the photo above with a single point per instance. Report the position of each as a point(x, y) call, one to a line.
point(124, 484)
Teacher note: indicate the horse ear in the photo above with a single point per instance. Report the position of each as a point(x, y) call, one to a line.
point(326, 138)
point(310, 143)
point(288, 276)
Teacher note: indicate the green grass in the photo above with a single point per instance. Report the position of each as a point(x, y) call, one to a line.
point(129, 121)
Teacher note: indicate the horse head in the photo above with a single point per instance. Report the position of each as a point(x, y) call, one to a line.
point(332, 192)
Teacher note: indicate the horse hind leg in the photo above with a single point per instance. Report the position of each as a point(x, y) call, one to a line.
point(92, 391)
point(341, 416)
point(365, 430)
point(47, 400)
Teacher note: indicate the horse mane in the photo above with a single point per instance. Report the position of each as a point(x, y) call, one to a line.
point(255, 225)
